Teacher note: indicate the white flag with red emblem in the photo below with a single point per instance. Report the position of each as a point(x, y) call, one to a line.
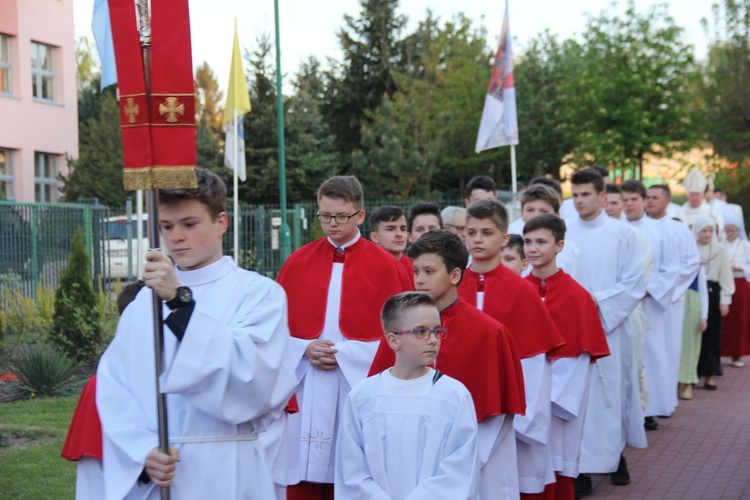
point(499, 125)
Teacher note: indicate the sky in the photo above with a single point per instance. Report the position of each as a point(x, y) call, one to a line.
point(308, 27)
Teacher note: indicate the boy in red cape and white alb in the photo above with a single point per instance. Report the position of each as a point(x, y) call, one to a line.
point(336, 287)
point(574, 312)
point(479, 353)
point(514, 302)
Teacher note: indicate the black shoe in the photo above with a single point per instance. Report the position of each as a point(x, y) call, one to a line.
point(621, 477)
point(650, 425)
point(582, 486)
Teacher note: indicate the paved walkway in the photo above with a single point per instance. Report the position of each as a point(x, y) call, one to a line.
point(701, 452)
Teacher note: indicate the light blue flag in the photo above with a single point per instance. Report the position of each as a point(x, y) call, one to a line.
point(102, 29)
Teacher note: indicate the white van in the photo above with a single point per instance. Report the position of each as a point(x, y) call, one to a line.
point(116, 245)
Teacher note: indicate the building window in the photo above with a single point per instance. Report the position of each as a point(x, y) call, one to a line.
point(45, 180)
point(6, 175)
point(43, 71)
point(5, 65)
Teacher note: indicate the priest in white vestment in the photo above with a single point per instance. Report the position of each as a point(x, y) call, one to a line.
point(696, 184)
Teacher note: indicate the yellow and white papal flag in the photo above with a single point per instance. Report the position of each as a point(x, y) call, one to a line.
point(238, 104)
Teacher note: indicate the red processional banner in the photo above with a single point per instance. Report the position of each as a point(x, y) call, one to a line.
point(158, 128)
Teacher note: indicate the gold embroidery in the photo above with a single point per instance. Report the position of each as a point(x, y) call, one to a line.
point(316, 441)
point(172, 109)
point(131, 110)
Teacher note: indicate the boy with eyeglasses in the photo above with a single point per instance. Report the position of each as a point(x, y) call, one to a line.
point(336, 287)
point(479, 353)
point(408, 431)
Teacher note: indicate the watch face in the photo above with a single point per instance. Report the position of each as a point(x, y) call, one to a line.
point(184, 294)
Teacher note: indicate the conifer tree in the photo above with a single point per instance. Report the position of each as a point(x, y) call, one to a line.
point(77, 329)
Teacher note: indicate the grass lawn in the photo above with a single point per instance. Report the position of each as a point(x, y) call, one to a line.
point(31, 466)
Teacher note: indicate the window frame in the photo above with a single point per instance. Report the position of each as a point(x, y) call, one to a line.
point(6, 67)
point(38, 74)
point(41, 182)
point(9, 177)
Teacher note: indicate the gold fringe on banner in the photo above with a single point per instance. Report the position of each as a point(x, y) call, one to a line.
point(137, 179)
point(174, 177)
point(142, 179)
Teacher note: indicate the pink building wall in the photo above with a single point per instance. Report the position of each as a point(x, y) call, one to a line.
point(27, 125)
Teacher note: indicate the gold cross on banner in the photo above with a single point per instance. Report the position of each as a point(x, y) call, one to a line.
point(131, 110)
point(172, 109)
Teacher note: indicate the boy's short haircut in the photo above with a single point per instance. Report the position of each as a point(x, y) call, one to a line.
point(395, 306)
point(423, 208)
point(603, 171)
point(489, 209)
point(634, 186)
point(482, 182)
point(546, 181)
point(448, 213)
point(547, 221)
point(613, 188)
point(343, 187)
point(664, 189)
point(386, 213)
point(541, 192)
point(211, 191)
point(516, 243)
point(720, 190)
point(588, 176)
point(445, 245)
point(127, 295)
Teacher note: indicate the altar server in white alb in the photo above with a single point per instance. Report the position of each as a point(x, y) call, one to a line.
point(614, 269)
point(409, 431)
point(685, 251)
point(664, 276)
point(225, 341)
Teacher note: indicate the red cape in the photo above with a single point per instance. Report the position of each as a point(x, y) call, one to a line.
point(480, 353)
point(515, 303)
point(371, 276)
point(85, 433)
point(575, 314)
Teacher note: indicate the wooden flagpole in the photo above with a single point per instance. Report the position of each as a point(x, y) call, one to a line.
point(144, 29)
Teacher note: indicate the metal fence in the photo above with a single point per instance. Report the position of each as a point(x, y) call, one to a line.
point(35, 238)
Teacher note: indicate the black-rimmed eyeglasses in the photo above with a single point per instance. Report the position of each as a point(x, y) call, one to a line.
point(339, 218)
point(424, 333)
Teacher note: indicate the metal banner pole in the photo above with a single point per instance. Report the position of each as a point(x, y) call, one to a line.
point(144, 28)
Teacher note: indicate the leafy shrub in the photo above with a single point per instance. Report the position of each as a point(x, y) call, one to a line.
point(108, 314)
point(28, 320)
point(43, 371)
point(77, 329)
